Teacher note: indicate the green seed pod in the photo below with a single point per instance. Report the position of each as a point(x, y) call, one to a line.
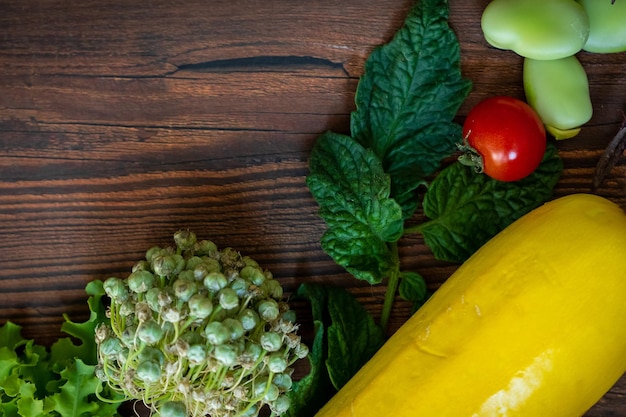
point(152, 299)
point(249, 319)
point(536, 29)
point(110, 347)
point(252, 352)
point(200, 306)
point(152, 354)
point(253, 274)
point(140, 281)
point(172, 409)
point(149, 371)
point(126, 308)
point(164, 265)
point(289, 316)
point(187, 274)
point(205, 247)
point(281, 405)
point(196, 354)
point(240, 286)
point(192, 263)
point(142, 265)
point(276, 362)
point(184, 289)
point(128, 336)
point(181, 263)
point(184, 239)
point(230, 258)
point(215, 281)
point(165, 298)
point(283, 381)
point(268, 310)
point(216, 333)
point(115, 289)
point(558, 90)
point(228, 298)
point(142, 311)
point(251, 411)
point(271, 341)
point(172, 314)
point(266, 390)
point(301, 351)
point(234, 327)
point(226, 354)
point(153, 252)
point(272, 288)
point(150, 332)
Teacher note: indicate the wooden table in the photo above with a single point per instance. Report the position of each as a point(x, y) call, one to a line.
point(123, 121)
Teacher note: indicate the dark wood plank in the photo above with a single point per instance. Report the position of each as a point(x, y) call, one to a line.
point(124, 121)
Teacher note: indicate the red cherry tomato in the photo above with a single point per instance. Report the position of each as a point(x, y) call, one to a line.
point(508, 135)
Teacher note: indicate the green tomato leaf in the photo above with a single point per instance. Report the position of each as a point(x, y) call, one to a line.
point(413, 288)
point(345, 338)
point(349, 184)
point(468, 209)
point(353, 337)
point(407, 98)
point(315, 389)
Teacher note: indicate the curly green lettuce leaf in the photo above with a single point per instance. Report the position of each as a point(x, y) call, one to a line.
point(406, 100)
point(82, 345)
point(39, 382)
point(73, 398)
point(352, 190)
point(467, 209)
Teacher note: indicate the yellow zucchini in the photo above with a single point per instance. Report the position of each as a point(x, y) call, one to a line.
point(533, 324)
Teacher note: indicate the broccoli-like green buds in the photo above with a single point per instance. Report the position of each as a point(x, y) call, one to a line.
point(195, 331)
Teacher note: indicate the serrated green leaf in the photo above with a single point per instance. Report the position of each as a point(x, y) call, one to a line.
point(313, 390)
point(65, 350)
point(413, 288)
point(345, 338)
point(27, 404)
point(11, 335)
point(352, 189)
point(8, 361)
point(35, 366)
point(468, 209)
point(73, 399)
point(353, 336)
point(407, 98)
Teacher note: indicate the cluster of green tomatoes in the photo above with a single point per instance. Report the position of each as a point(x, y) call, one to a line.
point(549, 34)
point(198, 331)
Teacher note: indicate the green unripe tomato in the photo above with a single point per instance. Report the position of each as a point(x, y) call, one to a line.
point(607, 25)
point(537, 29)
point(558, 90)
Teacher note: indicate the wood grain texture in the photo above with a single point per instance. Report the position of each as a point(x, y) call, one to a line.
point(123, 121)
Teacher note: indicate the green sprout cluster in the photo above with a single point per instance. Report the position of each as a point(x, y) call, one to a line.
point(197, 331)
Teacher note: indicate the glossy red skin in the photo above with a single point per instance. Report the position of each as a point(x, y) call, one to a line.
point(508, 135)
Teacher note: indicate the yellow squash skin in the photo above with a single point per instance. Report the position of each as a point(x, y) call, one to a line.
point(533, 324)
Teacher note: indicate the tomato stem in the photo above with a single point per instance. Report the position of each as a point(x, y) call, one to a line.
point(392, 288)
point(470, 156)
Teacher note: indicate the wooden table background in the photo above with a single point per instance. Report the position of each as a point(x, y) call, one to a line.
point(123, 121)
